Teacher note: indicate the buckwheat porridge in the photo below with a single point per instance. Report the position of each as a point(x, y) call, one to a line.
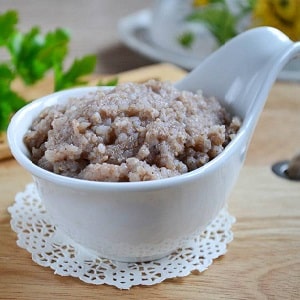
point(133, 132)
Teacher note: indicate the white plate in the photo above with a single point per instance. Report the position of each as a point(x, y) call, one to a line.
point(134, 32)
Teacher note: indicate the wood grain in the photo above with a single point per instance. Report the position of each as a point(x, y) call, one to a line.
point(262, 262)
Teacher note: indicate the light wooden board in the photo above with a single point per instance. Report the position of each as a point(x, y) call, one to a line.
point(263, 260)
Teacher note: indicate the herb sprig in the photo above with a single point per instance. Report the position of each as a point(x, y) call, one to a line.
point(218, 18)
point(32, 55)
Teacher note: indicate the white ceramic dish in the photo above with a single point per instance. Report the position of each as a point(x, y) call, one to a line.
point(138, 221)
point(135, 32)
point(134, 221)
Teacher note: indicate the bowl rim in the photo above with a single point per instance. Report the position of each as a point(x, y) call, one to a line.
point(82, 184)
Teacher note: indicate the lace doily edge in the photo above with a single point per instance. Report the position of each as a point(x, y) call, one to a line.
point(197, 268)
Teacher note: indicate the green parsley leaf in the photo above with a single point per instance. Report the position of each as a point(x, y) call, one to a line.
point(6, 76)
point(8, 108)
point(8, 23)
point(72, 76)
point(10, 101)
point(186, 39)
point(32, 56)
point(218, 20)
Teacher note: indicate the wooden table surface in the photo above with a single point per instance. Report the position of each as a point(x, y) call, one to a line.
point(263, 260)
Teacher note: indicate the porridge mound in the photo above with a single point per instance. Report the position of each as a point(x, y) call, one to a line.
point(133, 132)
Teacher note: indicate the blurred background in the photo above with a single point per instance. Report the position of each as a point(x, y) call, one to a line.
point(92, 24)
point(133, 33)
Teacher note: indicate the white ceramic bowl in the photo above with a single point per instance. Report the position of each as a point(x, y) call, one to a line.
point(132, 221)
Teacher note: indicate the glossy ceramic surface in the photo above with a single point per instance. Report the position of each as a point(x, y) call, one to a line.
point(138, 221)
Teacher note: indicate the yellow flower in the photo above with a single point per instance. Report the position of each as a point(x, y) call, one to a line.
point(197, 3)
point(282, 14)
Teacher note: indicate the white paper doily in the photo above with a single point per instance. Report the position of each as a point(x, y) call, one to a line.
point(51, 248)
